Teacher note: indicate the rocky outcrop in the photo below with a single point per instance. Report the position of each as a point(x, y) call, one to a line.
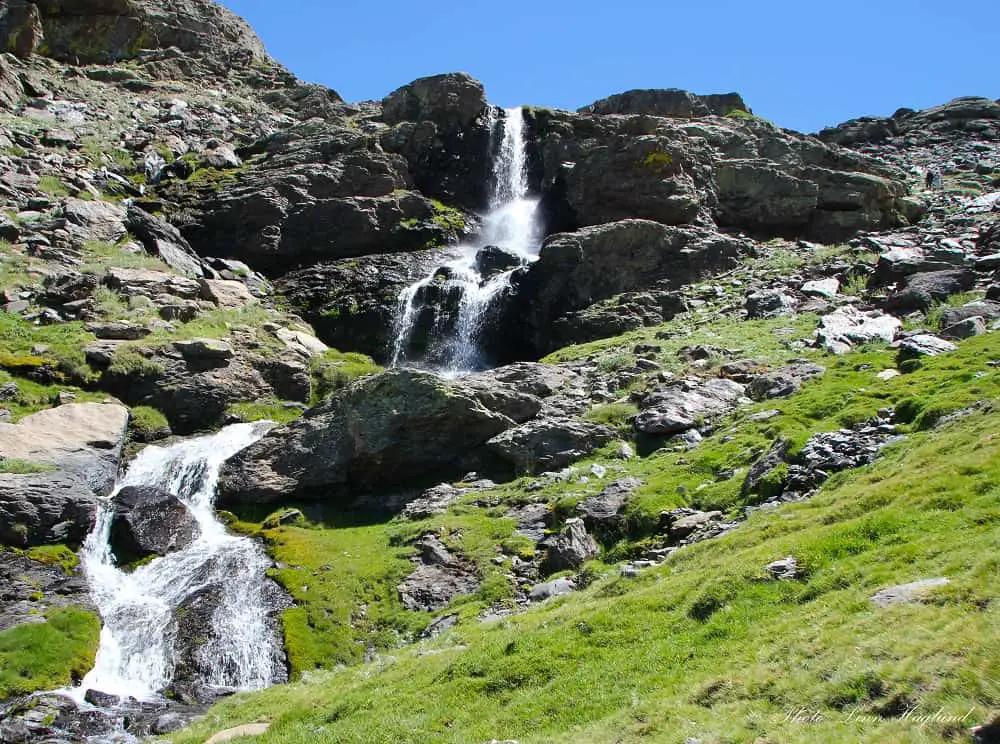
point(970, 114)
point(383, 431)
point(737, 171)
point(669, 102)
point(31, 589)
point(108, 31)
point(319, 191)
point(438, 577)
point(76, 450)
point(193, 382)
point(576, 270)
point(443, 126)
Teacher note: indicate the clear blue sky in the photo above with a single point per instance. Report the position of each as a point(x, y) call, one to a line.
point(802, 64)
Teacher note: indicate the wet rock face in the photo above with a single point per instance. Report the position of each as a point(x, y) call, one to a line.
point(353, 304)
point(149, 522)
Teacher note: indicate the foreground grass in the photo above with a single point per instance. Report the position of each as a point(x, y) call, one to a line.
point(706, 646)
point(44, 656)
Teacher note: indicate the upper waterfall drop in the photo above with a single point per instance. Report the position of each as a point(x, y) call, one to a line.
point(137, 653)
point(511, 226)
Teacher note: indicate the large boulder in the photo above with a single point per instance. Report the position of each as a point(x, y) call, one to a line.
point(847, 326)
point(924, 289)
point(576, 270)
point(149, 522)
point(687, 404)
point(570, 548)
point(76, 450)
point(383, 431)
point(549, 443)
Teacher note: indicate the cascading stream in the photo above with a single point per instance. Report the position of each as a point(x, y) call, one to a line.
point(512, 225)
point(136, 654)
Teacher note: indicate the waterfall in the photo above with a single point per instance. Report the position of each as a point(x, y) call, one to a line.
point(511, 224)
point(137, 651)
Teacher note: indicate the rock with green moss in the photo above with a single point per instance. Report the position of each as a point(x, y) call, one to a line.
point(380, 432)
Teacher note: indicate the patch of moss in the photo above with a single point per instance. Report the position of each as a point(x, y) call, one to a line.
point(52, 186)
point(335, 369)
point(127, 362)
point(44, 656)
point(265, 410)
point(659, 160)
point(147, 424)
point(24, 467)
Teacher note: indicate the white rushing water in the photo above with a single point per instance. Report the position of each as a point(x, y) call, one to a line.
point(511, 224)
point(135, 658)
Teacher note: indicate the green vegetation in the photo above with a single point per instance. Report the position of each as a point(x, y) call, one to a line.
point(128, 362)
point(54, 555)
point(705, 646)
point(35, 396)
point(740, 114)
point(54, 351)
point(448, 218)
point(24, 467)
point(147, 423)
point(266, 410)
point(659, 160)
point(99, 256)
point(52, 186)
point(101, 153)
point(335, 369)
point(43, 656)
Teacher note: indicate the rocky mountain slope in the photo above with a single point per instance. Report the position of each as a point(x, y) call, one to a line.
point(738, 410)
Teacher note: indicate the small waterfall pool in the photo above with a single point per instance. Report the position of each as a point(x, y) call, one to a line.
point(512, 225)
point(136, 657)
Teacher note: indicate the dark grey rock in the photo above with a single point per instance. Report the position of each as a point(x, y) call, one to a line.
point(149, 522)
point(569, 549)
point(378, 432)
point(549, 444)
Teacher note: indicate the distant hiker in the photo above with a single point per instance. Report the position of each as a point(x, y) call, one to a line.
point(938, 182)
point(929, 178)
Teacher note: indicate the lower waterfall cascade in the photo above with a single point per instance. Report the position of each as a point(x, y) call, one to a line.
point(512, 226)
point(137, 644)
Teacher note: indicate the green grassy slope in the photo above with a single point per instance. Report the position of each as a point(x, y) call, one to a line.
point(706, 645)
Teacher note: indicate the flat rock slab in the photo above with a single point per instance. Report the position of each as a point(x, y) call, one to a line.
point(840, 330)
point(46, 434)
point(915, 591)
